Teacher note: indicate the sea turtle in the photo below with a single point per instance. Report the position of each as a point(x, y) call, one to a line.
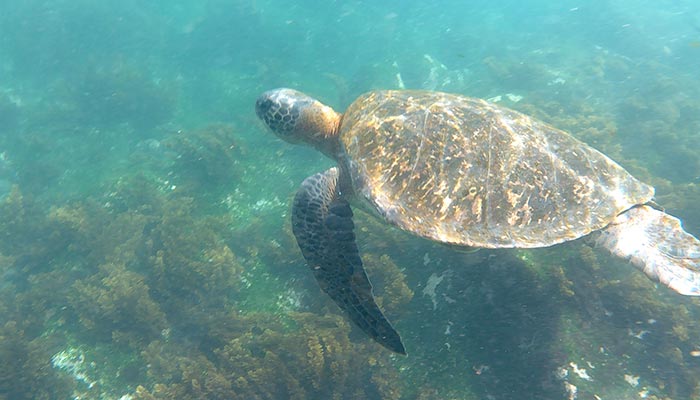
point(468, 173)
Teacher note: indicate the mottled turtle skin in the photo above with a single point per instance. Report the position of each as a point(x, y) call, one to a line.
point(467, 172)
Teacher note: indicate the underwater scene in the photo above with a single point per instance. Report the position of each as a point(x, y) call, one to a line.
point(146, 243)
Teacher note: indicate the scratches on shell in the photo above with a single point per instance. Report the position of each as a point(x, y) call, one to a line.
point(468, 172)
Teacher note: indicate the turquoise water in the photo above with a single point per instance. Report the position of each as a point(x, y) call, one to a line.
point(146, 250)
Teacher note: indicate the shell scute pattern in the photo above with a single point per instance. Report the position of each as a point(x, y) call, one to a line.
point(468, 172)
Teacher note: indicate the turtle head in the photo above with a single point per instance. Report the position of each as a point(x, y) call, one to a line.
point(296, 117)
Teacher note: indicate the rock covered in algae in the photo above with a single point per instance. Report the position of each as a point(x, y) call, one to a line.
point(300, 356)
point(117, 300)
point(206, 157)
point(25, 367)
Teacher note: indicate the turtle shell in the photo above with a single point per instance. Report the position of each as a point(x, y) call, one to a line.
point(471, 173)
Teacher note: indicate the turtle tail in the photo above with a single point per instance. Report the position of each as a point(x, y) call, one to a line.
point(656, 243)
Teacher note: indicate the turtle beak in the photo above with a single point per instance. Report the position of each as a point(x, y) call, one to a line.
point(267, 104)
point(280, 110)
point(264, 105)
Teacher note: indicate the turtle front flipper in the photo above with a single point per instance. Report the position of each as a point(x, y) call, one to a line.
point(656, 243)
point(322, 224)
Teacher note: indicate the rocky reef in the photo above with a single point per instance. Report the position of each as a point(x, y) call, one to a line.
point(146, 250)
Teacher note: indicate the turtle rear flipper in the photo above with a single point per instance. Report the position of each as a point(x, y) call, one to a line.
point(323, 226)
point(656, 243)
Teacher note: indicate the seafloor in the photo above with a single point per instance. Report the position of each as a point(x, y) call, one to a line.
point(145, 244)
